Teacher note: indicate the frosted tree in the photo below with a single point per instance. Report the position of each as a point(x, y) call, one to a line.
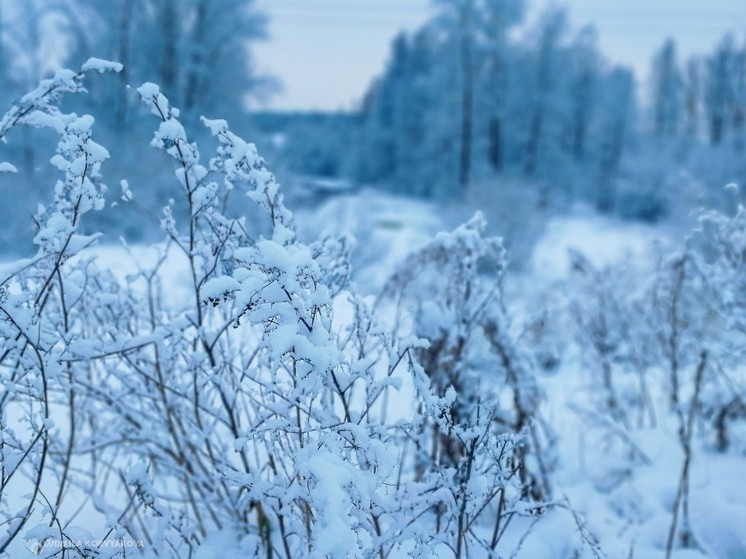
point(693, 95)
point(383, 110)
point(583, 90)
point(497, 19)
point(29, 53)
point(410, 119)
point(464, 98)
point(720, 89)
point(458, 19)
point(26, 44)
point(615, 128)
point(179, 44)
point(109, 29)
point(739, 106)
point(667, 91)
point(550, 32)
point(419, 130)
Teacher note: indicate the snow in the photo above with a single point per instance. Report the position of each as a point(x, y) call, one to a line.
point(629, 517)
point(601, 239)
point(96, 152)
point(328, 421)
point(126, 192)
point(170, 130)
point(99, 65)
point(385, 230)
point(40, 119)
point(216, 126)
point(332, 477)
point(218, 289)
point(157, 102)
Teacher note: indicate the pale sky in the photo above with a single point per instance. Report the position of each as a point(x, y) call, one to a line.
point(326, 52)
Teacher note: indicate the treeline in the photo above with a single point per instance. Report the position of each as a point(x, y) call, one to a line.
point(198, 50)
point(478, 92)
point(461, 98)
point(704, 97)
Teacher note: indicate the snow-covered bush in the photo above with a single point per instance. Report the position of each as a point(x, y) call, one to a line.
point(719, 250)
point(41, 301)
point(663, 357)
point(452, 292)
point(136, 420)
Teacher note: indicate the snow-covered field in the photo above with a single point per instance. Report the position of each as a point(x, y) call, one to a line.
point(613, 483)
point(604, 240)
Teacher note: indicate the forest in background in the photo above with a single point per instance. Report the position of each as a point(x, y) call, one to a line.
point(477, 106)
point(477, 95)
point(198, 50)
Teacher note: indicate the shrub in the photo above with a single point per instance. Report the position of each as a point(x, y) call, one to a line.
point(243, 408)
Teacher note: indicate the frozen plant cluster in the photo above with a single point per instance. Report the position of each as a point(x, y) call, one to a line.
point(247, 417)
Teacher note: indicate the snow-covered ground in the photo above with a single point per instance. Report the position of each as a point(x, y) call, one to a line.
point(603, 240)
point(384, 229)
point(623, 501)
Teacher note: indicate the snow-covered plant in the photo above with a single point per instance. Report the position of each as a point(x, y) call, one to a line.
point(450, 294)
point(609, 311)
point(678, 314)
point(243, 408)
point(40, 302)
point(719, 250)
point(258, 407)
point(683, 327)
point(679, 334)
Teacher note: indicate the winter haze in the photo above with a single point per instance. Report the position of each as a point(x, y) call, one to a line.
point(374, 279)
